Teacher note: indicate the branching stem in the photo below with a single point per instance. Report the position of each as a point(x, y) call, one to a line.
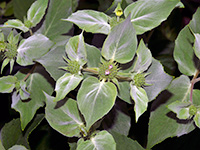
point(96, 72)
point(30, 72)
point(194, 80)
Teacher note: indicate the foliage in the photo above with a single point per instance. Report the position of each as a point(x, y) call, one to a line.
point(94, 96)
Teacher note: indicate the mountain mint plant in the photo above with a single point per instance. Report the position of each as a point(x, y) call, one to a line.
point(89, 94)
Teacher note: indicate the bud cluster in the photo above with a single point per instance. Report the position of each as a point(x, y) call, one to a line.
point(108, 70)
point(139, 80)
point(73, 66)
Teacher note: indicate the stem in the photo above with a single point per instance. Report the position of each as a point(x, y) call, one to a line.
point(31, 32)
point(124, 78)
point(194, 80)
point(30, 72)
point(117, 18)
point(118, 77)
point(90, 70)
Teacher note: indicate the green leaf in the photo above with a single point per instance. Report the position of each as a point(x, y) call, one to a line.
point(183, 52)
point(146, 15)
point(121, 43)
point(180, 108)
point(93, 56)
point(17, 147)
point(101, 141)
point(36, 84)
point(197, 118)
point(7, 84)
point(37, 11)
point(118, 119)
point(5, 62)
point(51, 64)
point(75, 4)
point(24, 94)
point(20, 8)
point(90, 21)
point(163, 123)
point(33, 48)
point(197, 45)
point(194, 24)
point(72, 145)
point(53, 26)
point(1, 146)
point(144, 58)
point(65, 119)
point(157, 79)
point(95, 99)
point(125, 143)
point(12, 134)
point(141, 100)
point(65, 84)
point(75, 49)
point(15, 23)
point(124, 92)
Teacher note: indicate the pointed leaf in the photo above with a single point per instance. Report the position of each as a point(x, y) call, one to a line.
point(1, 146)
point(11, 133)
point(36, 83)
point(12, 62)
point(51, 64)
point(53, 26)
point(90, 21)
point(17, 147)
point(15, 23)
point(141, 100)
point(197, 45)
point(125, 143)
point(146, 15)
point(157, 79)
point(183, 52)
point(75, 49)
point(7, 84)
point(197, 118)
point(118, 119)
point(93, 56)
point(163, 123)
point(144, 58)
point(180, 108)
point(194, 24)
point(101, 141)
point(95, 99)
point(21, 7)
point(65, 84)
point(33, 48)
point(5, 62)
point(37, 11)
point(124, 92)
point(121, 43)
point(65, 119)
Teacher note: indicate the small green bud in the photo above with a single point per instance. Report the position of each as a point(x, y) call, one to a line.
point(139, 80)
point(118, 11)
point(108, 70)
point(192, 110)
point(11, 51)
point(73, 67)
